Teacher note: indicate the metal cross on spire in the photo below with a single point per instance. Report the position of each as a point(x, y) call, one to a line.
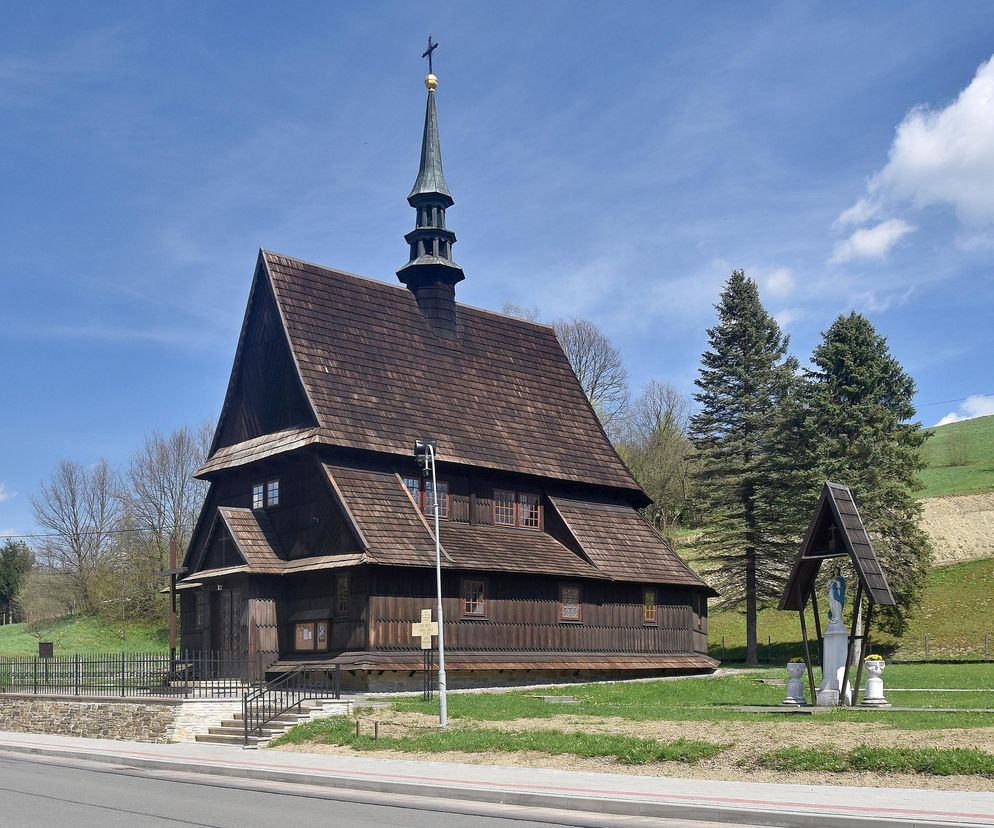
point(427, 53)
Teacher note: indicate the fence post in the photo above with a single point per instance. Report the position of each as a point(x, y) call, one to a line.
point(36, 676)
point(769, 649)
point(986, 650)
point(76, 669)
point(926, 645)
point(122, 674)
point(723, 648)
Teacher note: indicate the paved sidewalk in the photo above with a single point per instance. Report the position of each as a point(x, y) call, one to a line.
point(800, 806)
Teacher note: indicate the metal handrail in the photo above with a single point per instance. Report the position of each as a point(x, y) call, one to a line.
point(281, 695)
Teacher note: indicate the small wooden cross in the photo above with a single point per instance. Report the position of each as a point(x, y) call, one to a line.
point(427, 54)
point(425, 629)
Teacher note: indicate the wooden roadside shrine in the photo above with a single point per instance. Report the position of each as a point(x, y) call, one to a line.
point(837, 531)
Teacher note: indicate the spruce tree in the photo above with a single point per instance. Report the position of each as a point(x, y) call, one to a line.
point(745, 375)
point(858, 430)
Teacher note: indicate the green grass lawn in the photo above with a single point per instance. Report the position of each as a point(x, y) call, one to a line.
point(957, 609)
point(717, 699)
point(82, 635)
point(960, 458)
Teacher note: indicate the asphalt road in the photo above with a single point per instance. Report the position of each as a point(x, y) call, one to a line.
point(46, 792)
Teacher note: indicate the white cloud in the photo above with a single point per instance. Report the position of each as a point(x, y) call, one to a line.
point(872, 242)
point(979, 405)
point(786, 316)
point(861, 212)
point(777, 283)
point(4, 494)
point(946, 156)
point(938, 157)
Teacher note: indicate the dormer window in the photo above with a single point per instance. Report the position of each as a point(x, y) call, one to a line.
point(266, 495)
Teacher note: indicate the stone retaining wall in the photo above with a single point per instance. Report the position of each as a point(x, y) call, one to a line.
point(140, 720)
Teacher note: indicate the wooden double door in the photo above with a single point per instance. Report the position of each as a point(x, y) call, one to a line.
point(227, 608)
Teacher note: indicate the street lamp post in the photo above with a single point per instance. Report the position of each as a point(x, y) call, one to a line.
point(424, 450)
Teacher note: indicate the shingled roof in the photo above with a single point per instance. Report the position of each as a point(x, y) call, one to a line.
point(377, 376)
point(836, 530)
point(616, 543)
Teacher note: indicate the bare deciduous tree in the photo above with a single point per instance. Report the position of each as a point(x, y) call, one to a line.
point(652, 440)
point(82, 510)
point(599, 368)
point(161, 499)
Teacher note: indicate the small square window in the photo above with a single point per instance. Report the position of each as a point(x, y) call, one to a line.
point(258, 493)
point(528, 513)
point(342, 595)
point(273, 493)
point(474, 598)
point(649, 607)
point(569, 602)
point(503, 507)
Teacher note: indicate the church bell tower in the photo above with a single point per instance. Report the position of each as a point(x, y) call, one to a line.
point(431, 275)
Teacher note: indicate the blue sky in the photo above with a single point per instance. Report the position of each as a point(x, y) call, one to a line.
point(609, 160)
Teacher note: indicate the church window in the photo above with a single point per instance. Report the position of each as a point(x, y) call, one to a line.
point(342, 595)
point(443, 499)
point(528, 510)
point(503, 507)
point(569, 602)
point(649, 607)
point(422, 494)
point(517, 509)
point(258, 493)
point(474, 597)
point(273, 493)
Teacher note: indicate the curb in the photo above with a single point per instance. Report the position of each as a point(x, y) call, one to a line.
point(746, 813)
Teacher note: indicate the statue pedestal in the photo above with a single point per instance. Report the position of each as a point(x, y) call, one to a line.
point(835, 645)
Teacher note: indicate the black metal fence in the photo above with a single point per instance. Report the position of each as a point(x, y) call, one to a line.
point(204, 675)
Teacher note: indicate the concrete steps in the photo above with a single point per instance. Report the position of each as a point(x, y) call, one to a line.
point(232, 731)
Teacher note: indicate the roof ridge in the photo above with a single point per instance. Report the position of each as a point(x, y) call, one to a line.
point(401, 288)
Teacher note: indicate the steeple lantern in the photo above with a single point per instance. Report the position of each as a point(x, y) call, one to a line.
point(430, 274)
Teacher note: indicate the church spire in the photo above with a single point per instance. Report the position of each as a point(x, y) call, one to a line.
point(431, 275)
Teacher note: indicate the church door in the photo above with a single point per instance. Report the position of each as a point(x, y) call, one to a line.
point(226, 613)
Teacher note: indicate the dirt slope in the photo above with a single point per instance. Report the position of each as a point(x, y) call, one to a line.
point(961, 527)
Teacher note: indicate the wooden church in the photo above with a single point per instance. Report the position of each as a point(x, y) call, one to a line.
point(316, 544)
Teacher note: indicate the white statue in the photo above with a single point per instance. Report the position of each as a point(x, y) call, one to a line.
point(836, 598)
point(835, 646)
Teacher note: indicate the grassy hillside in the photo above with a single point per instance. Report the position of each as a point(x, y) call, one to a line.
point(957, 609)
point(81, 635)
point(960, 458)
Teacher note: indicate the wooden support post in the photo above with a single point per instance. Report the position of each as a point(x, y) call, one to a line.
point(852, 637)
point(821, 640)
point(807, 649)
point(862, 650)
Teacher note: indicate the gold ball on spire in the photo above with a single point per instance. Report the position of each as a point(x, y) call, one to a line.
point(431, 82)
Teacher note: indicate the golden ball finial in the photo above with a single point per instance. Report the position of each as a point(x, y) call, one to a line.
point(431, 82)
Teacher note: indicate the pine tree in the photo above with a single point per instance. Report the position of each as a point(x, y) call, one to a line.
point(744, 377)
point(858, 431)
